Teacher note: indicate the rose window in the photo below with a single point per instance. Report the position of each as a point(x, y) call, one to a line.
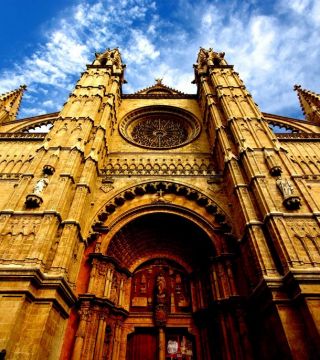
point(160, 132)
point(160, 127)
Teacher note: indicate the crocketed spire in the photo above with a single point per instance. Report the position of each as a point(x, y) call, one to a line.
point(310, 104)
point(10, 103)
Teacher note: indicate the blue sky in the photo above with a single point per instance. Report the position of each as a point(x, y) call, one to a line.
point(273, 45)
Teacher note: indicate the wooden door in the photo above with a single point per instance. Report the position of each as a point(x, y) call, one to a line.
point(142, 345)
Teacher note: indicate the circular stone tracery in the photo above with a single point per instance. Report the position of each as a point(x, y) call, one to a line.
point(159, 127)
point(162, 132)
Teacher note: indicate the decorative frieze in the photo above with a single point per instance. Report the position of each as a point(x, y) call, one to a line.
point(24, 136)
point(162, 167)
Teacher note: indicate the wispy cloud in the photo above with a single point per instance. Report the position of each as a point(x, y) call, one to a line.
point(56, 64)
point(272, 44)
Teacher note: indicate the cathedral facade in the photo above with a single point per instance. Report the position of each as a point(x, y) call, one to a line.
point(160, 225)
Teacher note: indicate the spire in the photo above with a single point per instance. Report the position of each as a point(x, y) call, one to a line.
point(310, 104)
point(207, 58)
point(111, 57)
point(10, 103)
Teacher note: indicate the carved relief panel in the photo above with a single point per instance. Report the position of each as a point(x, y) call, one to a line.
point(160, 282)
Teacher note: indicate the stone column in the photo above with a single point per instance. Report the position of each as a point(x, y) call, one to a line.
point(78, 345)
point(116, 342)
point(162, 344)
point(100, 336)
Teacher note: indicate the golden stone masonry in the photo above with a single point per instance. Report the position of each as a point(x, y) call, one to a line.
point(160, 225)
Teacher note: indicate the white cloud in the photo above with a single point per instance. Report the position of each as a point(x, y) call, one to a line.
point(272, 45)
point(34, 111)
point(141, 50)
point(271, 51)
point(299, 6)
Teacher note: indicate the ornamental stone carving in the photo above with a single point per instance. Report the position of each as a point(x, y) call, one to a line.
point(35, 199)
point(160, 132)
point(290, 201)
point(159, 127)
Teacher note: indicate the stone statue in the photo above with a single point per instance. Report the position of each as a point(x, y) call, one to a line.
point(290, 201)
point(161, 287)
point(40, 186)
point(285, 187)
point(160, 311)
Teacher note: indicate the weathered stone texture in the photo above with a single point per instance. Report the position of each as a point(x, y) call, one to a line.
point(210, 234)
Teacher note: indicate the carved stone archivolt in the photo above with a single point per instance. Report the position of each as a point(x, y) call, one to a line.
point(159, 127)
point(166, 187)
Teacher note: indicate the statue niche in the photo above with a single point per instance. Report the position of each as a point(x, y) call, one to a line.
point(162, 287)
point(161, 299)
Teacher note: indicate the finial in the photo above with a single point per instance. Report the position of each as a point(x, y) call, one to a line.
point(159, 81)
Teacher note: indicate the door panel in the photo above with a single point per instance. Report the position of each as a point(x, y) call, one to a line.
point(142, 345)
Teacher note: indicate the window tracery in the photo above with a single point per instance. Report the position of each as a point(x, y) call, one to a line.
point(159, 127)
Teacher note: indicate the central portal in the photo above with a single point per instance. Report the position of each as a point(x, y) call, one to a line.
point(160, 291)
point(169, 257)
point(160, 294)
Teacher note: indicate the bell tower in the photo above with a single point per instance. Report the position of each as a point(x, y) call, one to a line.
point(264, 192)
point(50, 200)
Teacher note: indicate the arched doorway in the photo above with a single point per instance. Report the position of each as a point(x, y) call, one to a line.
point(158, 291)
point(168, 249)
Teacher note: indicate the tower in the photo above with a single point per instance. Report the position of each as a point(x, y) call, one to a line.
point(159, 224)
point(10, 103)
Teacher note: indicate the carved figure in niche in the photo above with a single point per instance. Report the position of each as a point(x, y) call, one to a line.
point(40, 186)
point(290, 201)
point(285, 187)
point(160, 314)
point(178, 283)
point(143, 282)
point(161, 289)
point(114, 289)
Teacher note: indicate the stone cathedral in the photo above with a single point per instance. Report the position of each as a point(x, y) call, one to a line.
point(160, 225)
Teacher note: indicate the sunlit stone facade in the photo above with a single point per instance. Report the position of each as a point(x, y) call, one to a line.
point(160, 225)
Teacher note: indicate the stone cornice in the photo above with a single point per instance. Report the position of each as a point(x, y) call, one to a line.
point(298, 136)
point(159, 96)
point(112, 260)
point(40, 281)
point(102, 302)
point(22, 136)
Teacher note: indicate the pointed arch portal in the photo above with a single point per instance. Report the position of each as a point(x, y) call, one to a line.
point(160, 284)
